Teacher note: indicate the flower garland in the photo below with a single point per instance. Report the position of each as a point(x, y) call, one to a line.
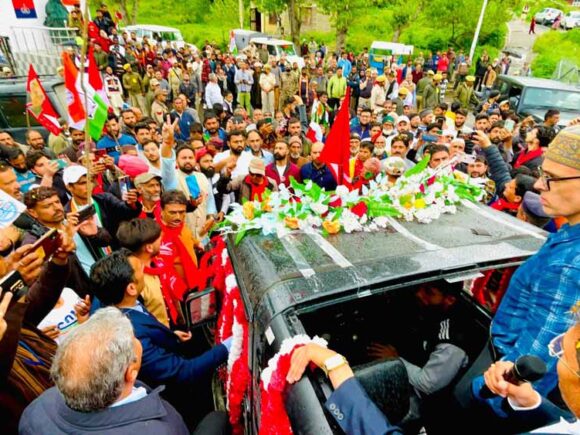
point(274, 418)
point(232, 322)
point(421, 194)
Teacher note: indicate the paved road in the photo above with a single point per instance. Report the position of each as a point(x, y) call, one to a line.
point(519, 41)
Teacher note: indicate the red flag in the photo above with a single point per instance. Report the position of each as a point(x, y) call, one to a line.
point(76, 108)
point(336, 151)
point(38, 104)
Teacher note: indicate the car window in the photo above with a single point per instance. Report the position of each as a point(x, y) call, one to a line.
point(288, 49)
point(14, 111)
point(272, 50)
point(552, 98)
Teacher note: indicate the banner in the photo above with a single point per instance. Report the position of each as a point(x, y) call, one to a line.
point(10, 209)
point(24, 9)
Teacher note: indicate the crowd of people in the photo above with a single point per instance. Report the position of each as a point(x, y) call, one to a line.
point(189, 134)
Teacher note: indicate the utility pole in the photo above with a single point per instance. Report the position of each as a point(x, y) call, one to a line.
point(477, 29)
point(241, 12)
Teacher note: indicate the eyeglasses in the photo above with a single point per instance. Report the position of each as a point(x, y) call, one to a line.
point(556, 350)
point(546, 179)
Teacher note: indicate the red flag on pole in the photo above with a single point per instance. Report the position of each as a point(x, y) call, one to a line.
point(38, 104)
point(336, 151)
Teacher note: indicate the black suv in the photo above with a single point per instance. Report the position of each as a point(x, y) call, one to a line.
point(530, 96)
point(344, 287)
point(13, 104)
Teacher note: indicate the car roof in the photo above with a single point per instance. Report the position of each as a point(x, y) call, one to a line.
point(152, 27)
point(18, 84)
point(534, 82)
point(276, 274)
point(271, 41)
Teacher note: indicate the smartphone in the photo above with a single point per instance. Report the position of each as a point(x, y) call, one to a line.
point(124, 185)
point(468, 158)
point(47, 244)
point(12, 283)
point(268, 120)
point(509, 125)
point(61, 163)
point(429, 138)
point(86, 213)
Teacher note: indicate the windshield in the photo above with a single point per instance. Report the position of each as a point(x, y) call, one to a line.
point(288, 49)
point(380, 51)
point(575, 14)
point(553, 98)
point(171, 36)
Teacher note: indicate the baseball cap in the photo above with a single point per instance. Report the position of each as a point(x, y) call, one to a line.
point(73, 173)
point(145, 178)
point(403, 118)
point(257, 167)
point(533, 206)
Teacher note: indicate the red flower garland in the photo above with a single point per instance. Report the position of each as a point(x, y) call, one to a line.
point(232, 321)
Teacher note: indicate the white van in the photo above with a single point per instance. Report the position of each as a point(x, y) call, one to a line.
point(279, 47)
point(168, 36)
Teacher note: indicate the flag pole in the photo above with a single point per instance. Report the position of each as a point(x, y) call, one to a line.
point(87, 147)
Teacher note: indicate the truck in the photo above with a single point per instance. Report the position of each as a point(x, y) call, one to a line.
point(383, 53)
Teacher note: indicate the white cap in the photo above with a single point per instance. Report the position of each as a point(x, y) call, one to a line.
point(73, 173)
point(403, 118)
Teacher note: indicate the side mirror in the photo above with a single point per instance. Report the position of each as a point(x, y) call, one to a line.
point(201, 308)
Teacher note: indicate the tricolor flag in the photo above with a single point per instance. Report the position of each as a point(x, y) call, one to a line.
point(233, 47)
point(97, 101)
point(38, 104)
point(336, 151)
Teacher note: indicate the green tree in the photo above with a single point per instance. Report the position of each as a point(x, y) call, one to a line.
point(294, 8)
point(342, 15)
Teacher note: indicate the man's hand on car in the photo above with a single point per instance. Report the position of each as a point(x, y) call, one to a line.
point(522, 395)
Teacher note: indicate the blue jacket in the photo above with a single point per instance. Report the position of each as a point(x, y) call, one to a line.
point(162, 359)
point(498, 169)
point(185, 122)
point(150, 415)
point(323, 177)
point(113, 146)
point(355, 413)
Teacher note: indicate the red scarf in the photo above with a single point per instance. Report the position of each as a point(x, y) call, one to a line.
point(525, 157)
point(505, 205)
point(171, 288)
point(170, 238)
point(256, 190)
point(156, 212)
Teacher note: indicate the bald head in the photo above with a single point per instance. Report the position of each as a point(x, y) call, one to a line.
point(315, 151)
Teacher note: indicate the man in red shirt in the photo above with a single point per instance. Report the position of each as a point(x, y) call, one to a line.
point(282, 169)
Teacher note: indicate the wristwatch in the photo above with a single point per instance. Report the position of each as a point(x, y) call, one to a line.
point(334, 362)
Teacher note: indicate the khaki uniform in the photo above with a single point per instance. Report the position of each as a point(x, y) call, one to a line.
point(288, 86)
point(466, 96)
point(159, 111)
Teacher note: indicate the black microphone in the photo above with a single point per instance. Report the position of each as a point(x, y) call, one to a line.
point(527, 368)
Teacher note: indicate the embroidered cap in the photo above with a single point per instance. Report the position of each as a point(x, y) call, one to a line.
point(257, 167)
point(565, 148)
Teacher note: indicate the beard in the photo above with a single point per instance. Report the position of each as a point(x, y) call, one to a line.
point(187, 168)
point(208, 172)
point(379, 151)
point(496, 140)
point(236, 152)
point(152, 198)
point(20, 171)
point(278, 156)
point(295, 156)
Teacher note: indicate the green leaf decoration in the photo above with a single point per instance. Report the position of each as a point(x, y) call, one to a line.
point(376, 209)
point(418, 168)
point(240, 236)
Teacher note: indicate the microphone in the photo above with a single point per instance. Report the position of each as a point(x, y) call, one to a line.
point(527, 368)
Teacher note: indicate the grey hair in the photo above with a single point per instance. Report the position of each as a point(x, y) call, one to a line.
point(90, 364)
point(212, 76)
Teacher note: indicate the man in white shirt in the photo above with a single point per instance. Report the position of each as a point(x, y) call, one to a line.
point(235, 158)
point(213, 94)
